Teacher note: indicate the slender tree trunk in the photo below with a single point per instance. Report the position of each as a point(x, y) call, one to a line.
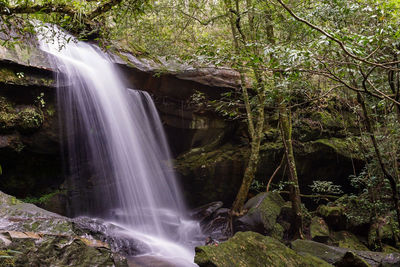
point(252, 164)
point(255, 126)
point(286, 133)
point(243, 86)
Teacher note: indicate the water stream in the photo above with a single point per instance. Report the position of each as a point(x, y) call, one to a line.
point(117, 152)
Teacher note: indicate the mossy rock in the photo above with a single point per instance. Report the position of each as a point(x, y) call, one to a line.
point(351, 259)
point(253, 249)
point(214, 175)
point(29, 119)
point(263, 211)
point(348, 240)
point(327, 253)
point(339, 256)
point(32, 236)
point(345, 147)
point(334, 216)
point(319, 230)
point(25, 118)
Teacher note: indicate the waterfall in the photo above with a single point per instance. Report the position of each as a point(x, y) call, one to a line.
point(117, 152)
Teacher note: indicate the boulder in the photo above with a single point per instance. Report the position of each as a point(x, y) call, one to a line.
point(31, 236)
point(214, 221)
point(214, 175)
point(253, 249)
point(344, 256)
point(204, 212)
point(334, 216)
point(319, 230)
point(351, 259)
point(263, 211)
point(218, 225)
point(348, 240)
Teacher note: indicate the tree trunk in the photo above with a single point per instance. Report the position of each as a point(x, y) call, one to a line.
point(286, 133)
point(255, 126)
point(252, 164)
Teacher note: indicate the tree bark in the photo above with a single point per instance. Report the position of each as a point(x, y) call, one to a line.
point(252, 164)
point(286, 133)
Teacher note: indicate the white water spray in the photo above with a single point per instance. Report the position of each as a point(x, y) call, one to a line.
point(116, 149)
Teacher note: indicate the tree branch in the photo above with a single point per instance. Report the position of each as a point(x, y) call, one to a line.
point(331, 37)
point(204, 23)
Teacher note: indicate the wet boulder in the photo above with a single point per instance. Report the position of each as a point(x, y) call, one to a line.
point(204, 212)
point(31, 236)
point(319, 230)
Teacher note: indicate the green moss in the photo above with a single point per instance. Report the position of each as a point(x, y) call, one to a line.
point(269, 209)
point(29, 119)
point(13, 201)
point(319, 229)
point(352, 259)
point(26, 119)
point(6, 259)
point(344, 146)
point(252, 249)
point(207, 159)
point(322, 251)
point(7, 120)
point(9, 76)
point(6, 105)
point(268, 146)
point(50, 110)
point(348, 240)
point(327, 211)
point(327, 119)
point(43, 198)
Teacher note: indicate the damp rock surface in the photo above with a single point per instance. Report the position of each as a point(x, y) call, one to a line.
point(31, 236)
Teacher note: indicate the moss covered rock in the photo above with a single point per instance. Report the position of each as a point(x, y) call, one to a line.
point(263, 211)
point(343, 256)
point(348, 240)
point(213, 175)
point(22, 118)
point(30, 236)
point(334, 216)
point(253, 249)
point(351, 259)
point(319, 230)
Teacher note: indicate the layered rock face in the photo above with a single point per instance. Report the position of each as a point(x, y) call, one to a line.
point(30, 156)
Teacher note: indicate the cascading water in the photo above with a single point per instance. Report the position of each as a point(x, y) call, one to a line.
point(116, 149)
